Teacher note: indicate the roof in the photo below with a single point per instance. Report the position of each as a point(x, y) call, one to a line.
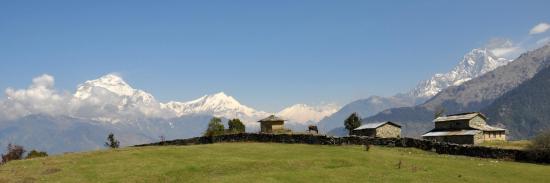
point(489, 128)
point(376, 125)
point(451, 133)
point(271, 118)
point(461, 116)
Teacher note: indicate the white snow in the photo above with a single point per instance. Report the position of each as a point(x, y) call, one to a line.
point(219, 105)
point(302, 113)
point(475, 63)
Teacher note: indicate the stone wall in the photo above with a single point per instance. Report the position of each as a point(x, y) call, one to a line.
point(388, 131)
point(438, 147)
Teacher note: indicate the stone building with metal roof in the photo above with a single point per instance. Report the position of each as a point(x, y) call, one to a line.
point(464, 128)
point(386, 129)
point(272, 124)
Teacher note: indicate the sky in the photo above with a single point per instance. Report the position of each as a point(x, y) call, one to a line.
point(267, 54)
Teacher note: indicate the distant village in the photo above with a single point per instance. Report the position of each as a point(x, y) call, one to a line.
point(463, 128)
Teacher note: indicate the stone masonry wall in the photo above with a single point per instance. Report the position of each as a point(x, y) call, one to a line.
point(438, 147)
point(388, 131)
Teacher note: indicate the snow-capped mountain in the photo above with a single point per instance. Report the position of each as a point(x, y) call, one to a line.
point(475, 63)
point(114, 84)
point(110, 98)
point(219, 105)
point(302, 113)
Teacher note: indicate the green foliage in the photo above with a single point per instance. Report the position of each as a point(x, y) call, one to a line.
point(36, 154)
point(112, 142)
point(504, 144)
point(541, 141)
point(236, 126)
point(215, 127)
point(14, 152)
point(352, 122)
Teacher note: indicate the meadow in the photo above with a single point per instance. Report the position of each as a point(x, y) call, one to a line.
point(268, 162)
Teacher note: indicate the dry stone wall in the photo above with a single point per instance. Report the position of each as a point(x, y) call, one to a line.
point(438, 147)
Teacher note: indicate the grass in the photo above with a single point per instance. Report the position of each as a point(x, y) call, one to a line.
point(267, 162)
point(519, 144)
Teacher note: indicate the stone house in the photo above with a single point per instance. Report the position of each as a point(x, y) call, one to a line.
point(464, 128)
point(272, 124)
point(386, 129)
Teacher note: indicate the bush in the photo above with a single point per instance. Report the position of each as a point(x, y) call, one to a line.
point(112, 142)
point(541, 142)
point(14, 152)
point(215, 127)
point(36, 154)
point(236, 126)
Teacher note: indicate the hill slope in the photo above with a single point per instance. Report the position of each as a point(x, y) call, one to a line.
point(525, 109)
point(474, 64)
point(257, 162)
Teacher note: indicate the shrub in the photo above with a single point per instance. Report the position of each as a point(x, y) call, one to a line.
point(236, 126)
point(36, 154)
point(541, 142)
point(215, 127)
point(352, 122)
point(14, 152)
point(112, 142)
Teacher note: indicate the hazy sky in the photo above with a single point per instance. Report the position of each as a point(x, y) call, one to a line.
point(267, 54)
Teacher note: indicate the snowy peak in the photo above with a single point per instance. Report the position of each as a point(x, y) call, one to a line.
point(219, 104)
point(302, 113)
point(113, 84)
point(110, 82)
point(475, 63)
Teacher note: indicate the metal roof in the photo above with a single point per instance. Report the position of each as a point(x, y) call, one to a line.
point(272, 118)
point(461, 116)
point(376, 125)
point(489, 128)
point(451, 133)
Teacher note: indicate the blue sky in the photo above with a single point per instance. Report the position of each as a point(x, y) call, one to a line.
point(267, 54)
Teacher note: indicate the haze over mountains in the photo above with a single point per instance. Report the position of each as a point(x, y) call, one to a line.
point(109, 104)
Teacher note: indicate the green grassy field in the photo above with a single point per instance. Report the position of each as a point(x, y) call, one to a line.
point(266, 162)
point(518, 144)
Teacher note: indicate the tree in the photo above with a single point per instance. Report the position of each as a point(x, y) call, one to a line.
point(353, 122)
point(14, 152)
point(236, 126)
point(36, 154)
point(541, 141)
point(112, 142)
point(215, 127)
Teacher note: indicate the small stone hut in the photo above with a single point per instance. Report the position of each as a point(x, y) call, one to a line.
point(386, 129)
point(272, 124)
point(464, 128)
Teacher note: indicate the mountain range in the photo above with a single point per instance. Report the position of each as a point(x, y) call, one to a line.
point(40, 117)
point(474, 64)
point(476, 94)
point(109, 104)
